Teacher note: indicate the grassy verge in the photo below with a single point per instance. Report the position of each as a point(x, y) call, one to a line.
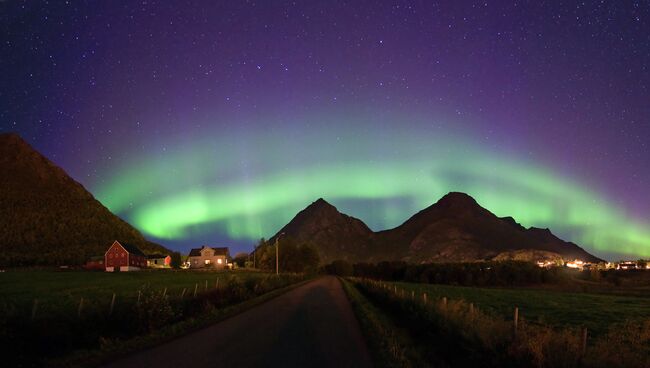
point(388, 345)
point(461, 334)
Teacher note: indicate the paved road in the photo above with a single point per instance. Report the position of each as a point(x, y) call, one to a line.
point(310, 326)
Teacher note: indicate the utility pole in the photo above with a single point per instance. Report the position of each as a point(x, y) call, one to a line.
point(277, 259)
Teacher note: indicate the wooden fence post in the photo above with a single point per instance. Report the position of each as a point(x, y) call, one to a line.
point(444, 302)
point(196, 288)
point(584, 342)
point(424, 298)
point(471, 309)
point(139, 293)
point(34, 308)
point(413, 294)
point(110, 311)
point(216, 284)
point(81, 305)
point(164, 292)
point(516, 319)
point(183, 293)
point(206, 285)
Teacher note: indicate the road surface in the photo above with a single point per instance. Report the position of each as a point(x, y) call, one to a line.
point(310, 326)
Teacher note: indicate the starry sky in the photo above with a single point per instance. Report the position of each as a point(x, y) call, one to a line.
point(208, 122)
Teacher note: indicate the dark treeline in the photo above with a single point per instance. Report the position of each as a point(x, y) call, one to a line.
point(293, 256)
point(505, 273)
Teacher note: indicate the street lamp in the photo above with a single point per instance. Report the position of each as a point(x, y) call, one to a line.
point(277, 262)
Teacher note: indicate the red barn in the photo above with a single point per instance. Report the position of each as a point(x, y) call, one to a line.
point(124, 257)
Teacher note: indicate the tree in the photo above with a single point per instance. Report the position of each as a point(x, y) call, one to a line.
point(293, 256)
point(240, 259)
point(339, 267)
point(176, 260)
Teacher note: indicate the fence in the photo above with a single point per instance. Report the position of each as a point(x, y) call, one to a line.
point(515, 342)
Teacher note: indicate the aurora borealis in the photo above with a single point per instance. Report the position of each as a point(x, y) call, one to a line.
point(260, 199)
point(213, 123)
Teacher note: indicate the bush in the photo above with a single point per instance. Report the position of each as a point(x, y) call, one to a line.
point(339, 268)
point(502, 273)
point(153, 310)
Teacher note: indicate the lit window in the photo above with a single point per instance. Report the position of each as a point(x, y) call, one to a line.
point(207, 261)
point(219, 261)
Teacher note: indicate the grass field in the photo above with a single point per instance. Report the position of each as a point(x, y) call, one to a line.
point(595, 311)
point(48, 316)
point(57, 288)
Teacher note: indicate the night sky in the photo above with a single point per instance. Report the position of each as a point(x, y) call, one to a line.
point(208, 123)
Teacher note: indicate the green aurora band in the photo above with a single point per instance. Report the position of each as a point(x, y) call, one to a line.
point(250, 188)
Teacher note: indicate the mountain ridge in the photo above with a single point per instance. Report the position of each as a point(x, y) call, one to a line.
point(454, 229)
point(48, 218)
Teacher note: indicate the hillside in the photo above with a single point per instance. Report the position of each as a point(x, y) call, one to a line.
point(47, 218)
point(454, 229)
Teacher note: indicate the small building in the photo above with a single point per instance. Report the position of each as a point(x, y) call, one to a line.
point(124, 257)
point(208, 257)
point(577, 264)
point(159, 261)
point(95, 263)
point(627, 265)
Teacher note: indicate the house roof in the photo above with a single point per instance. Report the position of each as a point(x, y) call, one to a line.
point(222, 251)
point(132, 249)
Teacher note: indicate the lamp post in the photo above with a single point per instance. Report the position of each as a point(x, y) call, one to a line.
point(277, 259)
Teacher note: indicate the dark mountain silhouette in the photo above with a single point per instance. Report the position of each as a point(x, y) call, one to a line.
point(336, 235)
point(48, 218)
point(454, 229)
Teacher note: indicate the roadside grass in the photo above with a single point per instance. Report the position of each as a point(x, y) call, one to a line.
point(388, 347)
point(597, 312)
point(470, 336)
point(111, 350)
point(149, 307)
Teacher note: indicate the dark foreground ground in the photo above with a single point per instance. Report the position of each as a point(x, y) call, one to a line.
point(310, 326)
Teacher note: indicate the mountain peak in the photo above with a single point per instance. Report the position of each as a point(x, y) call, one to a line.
point(320, 202)
point(10, 136)
point(457, 197)
point(13, 141)
point(337, 236)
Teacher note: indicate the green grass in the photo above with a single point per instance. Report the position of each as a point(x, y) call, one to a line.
point(117, 348)
point(20, 288)
point(60, 327)
point(388, 347)
point(595, 311)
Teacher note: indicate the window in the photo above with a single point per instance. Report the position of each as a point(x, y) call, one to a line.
point(207, 262)
point(219, 261)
